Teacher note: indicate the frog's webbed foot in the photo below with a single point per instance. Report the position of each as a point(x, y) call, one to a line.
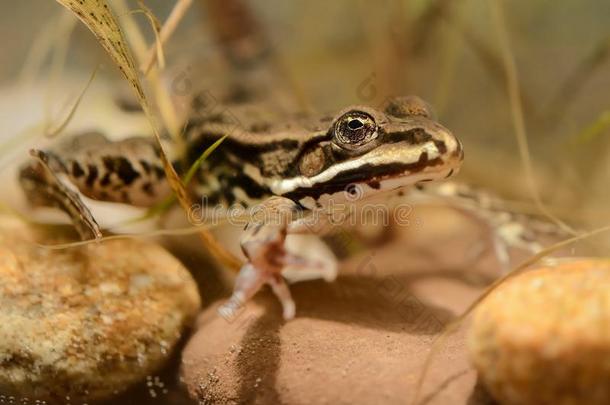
point(249, 282)
point(263, 245)
point(43, 184)
point(512, 234)
point(503, 233)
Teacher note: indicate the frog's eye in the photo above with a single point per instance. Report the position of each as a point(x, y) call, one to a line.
point(354, 129)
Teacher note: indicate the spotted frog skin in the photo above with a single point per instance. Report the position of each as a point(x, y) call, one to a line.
point(297, 166)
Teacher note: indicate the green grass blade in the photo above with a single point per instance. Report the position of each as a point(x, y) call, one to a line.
point(595, 129)
point(164, 205)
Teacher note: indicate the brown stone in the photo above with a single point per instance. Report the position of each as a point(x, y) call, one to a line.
point(85, 323)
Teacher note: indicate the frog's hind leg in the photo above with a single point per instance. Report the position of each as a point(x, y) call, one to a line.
point(501, 233)
point(127, 171)
point(44, 185)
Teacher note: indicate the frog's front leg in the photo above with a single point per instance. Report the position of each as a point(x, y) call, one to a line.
point(263, 244)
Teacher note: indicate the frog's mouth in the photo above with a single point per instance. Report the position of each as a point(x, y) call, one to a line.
point(366, 180)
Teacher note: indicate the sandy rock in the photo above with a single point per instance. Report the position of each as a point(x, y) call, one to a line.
point(542, 338)
point(82, 324)
point(359, 340)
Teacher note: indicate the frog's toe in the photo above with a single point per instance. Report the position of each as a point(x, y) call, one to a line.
point(249, 282)
point(282, 291)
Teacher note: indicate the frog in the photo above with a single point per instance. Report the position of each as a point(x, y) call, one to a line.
point(287, 170)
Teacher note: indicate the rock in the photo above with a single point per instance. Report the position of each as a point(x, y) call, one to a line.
point(82, 324)
point(542, 337)
point(359, 340)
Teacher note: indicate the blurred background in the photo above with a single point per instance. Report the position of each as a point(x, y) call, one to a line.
point(331, 54)
point(467, 58)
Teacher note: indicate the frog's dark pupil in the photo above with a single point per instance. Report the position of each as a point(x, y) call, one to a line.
point(355, 124)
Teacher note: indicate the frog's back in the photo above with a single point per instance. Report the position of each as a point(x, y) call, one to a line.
point(260, 147)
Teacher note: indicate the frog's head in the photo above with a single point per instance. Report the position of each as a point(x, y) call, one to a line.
point(367, 151)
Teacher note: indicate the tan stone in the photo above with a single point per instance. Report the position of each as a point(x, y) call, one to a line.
point(85, 323)
point(544, 336)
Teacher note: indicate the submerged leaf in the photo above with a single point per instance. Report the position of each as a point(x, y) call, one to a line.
point(98, 17)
